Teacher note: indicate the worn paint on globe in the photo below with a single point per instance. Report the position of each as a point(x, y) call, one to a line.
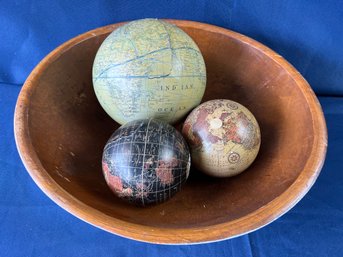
point(148, 69)
point(146, 161)
point(224, 137)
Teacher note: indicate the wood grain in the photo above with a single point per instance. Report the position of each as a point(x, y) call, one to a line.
point(60, 131)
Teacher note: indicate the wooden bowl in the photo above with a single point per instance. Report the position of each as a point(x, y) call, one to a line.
point(61, 130)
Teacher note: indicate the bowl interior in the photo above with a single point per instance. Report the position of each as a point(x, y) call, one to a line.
point(68, 130)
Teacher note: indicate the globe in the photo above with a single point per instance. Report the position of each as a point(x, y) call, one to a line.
point(224, 137)
point(146, 161)
point(148, 69)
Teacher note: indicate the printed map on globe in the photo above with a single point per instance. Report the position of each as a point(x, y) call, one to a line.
point(224, 137)
point(146, 161)
point(149, 69)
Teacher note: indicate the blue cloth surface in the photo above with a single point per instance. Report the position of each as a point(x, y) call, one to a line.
point(307, 33)
point(32, 225)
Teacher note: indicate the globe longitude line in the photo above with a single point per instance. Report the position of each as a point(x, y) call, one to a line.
point(158, 155)
point(171, 166)
point(116, 150)
point(132, 136)
point(145, 143)
point(126, 33)
point(169, 43)
point(178, 159)
point(173, 56)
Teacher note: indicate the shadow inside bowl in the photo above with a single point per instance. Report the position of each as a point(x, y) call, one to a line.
point(69, 129)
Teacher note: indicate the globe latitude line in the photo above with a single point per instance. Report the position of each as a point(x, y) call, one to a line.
point(147, 77)
point(140, 57)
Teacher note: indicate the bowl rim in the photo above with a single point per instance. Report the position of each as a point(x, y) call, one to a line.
point(243, 225)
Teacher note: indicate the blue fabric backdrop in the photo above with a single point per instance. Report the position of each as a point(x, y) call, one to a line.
point(309, 34)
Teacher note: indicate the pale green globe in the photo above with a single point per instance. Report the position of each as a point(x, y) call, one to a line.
point(148, 69)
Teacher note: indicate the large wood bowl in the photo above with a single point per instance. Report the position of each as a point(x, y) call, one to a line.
point(61, 130)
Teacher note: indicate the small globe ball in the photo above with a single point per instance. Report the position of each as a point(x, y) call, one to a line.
point(146, 161)
point(224, 137)
point(148, 69)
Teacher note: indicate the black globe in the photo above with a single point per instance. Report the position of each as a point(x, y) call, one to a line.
point(146, 161)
